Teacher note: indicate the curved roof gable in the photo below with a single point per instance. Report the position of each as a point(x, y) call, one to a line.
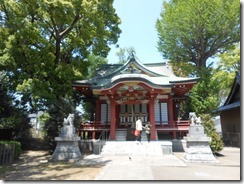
point(157, 75)
point(135, 67)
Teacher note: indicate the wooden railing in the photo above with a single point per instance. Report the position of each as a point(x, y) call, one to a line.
point(104, 125)
point(94, 129)
point(94, 125)
point(175, 124)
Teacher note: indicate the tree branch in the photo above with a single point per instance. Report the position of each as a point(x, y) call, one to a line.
point(54, 25)
point(67, 30)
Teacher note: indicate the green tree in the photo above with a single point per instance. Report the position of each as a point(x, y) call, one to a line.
point(89, 110)
point(54, 118)
point(183, 69)
point(125, 53)
point(44, 44)
point(6, 98)
point(12, 118)
point(225, 71)
point(213, 89)
point(216, 143)
point(195, 30)
point(190, 33)
point(88, 106)
point(204, 96)
point(95, 62)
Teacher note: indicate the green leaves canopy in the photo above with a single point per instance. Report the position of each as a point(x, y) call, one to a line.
point(44, 43)
point(224, 74)
point(195, 30)
point(191, 32)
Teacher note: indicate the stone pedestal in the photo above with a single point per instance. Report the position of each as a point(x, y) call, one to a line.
point(197, 145)
point(67, 148)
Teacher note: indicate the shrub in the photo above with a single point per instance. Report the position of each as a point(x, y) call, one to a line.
point(216, 144)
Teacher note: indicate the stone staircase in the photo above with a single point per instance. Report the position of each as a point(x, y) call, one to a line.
point(121, 135)
point(131, 148)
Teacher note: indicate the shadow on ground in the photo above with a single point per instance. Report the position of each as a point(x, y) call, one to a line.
point(34, 165)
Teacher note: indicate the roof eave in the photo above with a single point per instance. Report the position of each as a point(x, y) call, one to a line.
point(179, 81)
point(81, 83)
point(228, 107)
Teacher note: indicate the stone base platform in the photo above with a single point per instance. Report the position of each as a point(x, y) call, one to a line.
point(198, 146)
point(66, 150)
point(199, 154)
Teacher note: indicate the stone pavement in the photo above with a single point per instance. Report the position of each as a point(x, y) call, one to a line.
point(168, 167)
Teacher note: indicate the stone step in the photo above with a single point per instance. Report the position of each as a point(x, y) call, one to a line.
point(121, 135)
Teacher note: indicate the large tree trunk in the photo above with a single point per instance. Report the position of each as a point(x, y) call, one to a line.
point(200, 64)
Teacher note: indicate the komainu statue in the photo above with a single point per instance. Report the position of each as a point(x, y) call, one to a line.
point(194, 119)
point(69, 120)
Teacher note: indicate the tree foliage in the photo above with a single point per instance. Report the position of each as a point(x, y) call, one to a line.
point(6, 98)
point(204, 95)
point(125, 53)
point(88, 106)
point(12, 117)
point(216, 143)
point(54, 118)
point(225, 71)
point(45, 43)
point(190, 33)
point(183, 69)
point(195, 30)
point(95, 62)
point(211, 91)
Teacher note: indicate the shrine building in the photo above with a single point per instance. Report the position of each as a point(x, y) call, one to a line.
point(120, 93)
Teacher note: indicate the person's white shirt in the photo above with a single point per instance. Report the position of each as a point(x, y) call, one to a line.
point(139, 125)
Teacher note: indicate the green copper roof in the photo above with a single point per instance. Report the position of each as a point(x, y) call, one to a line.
point(155, 74)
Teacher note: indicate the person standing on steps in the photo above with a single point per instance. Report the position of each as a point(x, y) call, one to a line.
point(139, 129)
point(147, 129)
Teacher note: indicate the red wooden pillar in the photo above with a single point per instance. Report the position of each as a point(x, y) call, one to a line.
point(171, 115)
point(98, 111)
point(112, 118)
point(93, 135)
point(152, 117)
point(117, 120)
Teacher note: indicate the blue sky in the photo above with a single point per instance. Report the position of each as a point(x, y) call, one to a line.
point(138, 29)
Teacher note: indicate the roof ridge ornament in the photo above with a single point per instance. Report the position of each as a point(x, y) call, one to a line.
point(131, 69)
point(132, 55)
